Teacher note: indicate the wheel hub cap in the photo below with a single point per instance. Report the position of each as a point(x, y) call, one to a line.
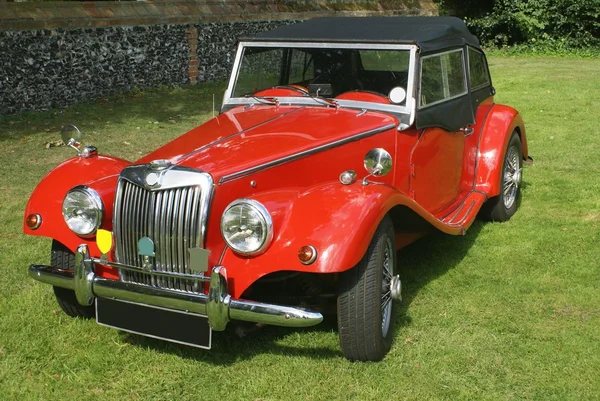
point(396, 288)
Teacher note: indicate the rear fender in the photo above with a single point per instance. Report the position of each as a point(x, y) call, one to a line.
point(501, 123)
point(339, 221)
point(48, 196)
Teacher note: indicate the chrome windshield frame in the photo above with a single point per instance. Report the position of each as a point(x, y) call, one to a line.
point(407, 110)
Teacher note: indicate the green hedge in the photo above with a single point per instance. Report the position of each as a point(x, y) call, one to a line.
point(555, 23)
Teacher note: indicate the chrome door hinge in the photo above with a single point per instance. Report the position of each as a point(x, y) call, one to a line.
point(468, 131)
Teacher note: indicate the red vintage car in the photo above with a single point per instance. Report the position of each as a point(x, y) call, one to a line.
point(340, 140)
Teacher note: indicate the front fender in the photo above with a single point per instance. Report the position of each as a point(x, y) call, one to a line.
point(339, 221)
point(501, 122)
point(100, 173)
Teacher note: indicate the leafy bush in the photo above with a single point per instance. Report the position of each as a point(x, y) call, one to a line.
point(556, 23)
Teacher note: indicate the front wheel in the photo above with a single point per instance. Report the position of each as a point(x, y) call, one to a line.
point(504, 206)
point(62, 257)
point(365, 308)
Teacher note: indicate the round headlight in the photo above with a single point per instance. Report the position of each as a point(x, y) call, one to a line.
point(82, 210)
point(247, 227)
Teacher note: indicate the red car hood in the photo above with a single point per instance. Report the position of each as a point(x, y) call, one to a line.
point(240, 139)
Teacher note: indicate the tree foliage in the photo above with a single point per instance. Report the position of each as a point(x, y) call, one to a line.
point(565, 23)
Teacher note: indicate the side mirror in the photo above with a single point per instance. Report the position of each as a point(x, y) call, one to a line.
point(72, 136)
point(378, 162)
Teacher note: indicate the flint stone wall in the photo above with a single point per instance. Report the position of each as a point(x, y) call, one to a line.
point(217, 44)
point(55, 54)
point(44, 69)
point(51, 68)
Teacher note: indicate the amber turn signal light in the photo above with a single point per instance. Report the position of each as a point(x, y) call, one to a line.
point(33, 221)
point(307, 254)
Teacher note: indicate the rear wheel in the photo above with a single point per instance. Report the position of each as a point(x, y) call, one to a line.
point(63, 258)
point(365, 303)
point(504, 206)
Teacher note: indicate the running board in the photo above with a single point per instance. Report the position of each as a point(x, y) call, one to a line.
point(466, 211)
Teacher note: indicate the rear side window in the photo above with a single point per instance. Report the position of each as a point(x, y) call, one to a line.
point(478, 70)
point(442, 77)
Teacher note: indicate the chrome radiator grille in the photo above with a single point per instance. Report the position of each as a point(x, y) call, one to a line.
point(173, 218)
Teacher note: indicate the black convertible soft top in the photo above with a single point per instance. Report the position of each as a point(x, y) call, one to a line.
point(429, 33)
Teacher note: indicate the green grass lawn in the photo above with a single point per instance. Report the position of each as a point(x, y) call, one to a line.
point(508, 312)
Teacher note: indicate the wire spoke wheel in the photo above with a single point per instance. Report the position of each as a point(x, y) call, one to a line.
point(512, 177)
point(503, 206)
point(386, 292)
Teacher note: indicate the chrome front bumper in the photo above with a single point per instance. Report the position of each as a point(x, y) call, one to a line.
point(218, 305)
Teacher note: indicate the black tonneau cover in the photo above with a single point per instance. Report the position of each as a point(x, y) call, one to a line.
point(429, 33)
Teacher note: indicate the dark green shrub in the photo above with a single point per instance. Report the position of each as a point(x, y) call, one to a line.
point(555, 23)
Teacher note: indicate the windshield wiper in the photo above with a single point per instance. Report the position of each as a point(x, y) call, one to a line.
point(264, 100)
point(325, 101)
point(274, 101)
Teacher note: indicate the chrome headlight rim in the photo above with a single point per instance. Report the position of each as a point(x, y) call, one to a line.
point(264, 213)
point(96, 202)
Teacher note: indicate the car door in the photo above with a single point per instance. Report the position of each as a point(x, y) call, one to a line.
point(437, 158)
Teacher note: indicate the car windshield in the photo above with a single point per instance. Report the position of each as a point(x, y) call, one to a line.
point(323, 72)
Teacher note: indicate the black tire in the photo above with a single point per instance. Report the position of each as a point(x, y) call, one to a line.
point(363, 333)
point(63, 258)
point(504, 206)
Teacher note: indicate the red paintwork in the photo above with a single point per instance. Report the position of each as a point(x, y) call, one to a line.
point(48, 195)
point(363, 96)
point(341, 234)
point(434, 173)
point(283, 91)
point(501, 123)
point(271, 132)
point(99, 173)
point(438, 168)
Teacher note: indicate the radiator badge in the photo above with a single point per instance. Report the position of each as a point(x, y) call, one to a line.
point(104, 240)
point(146, 250)
point(198, 260)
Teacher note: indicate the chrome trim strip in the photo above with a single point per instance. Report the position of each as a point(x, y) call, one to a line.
point(153, 272)
point(454, 212)
point(309, 101)
point(468, 212)
point(308, 152)
point(328, 45)
point(219, 307)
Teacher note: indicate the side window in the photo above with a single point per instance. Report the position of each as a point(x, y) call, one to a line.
point(302, 67)
point(442, 77)
point(478, 71)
